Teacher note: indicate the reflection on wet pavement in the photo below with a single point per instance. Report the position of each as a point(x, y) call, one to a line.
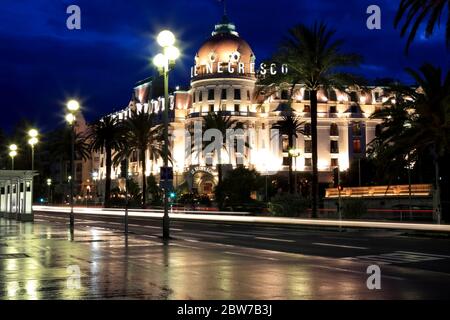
point(37, 262)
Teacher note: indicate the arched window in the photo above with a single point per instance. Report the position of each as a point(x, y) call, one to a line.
point(334, 130)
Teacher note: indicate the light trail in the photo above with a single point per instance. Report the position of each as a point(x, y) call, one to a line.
point(226, 217)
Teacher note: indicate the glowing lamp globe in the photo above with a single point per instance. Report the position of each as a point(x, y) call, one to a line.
point(166, 38)
point(172, 53)
point(70, 118)
point(73, 105)
point(33, 133)
point(160, 60)
point(13, 147)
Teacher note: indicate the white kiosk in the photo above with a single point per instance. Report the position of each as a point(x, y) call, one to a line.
point(16, 194)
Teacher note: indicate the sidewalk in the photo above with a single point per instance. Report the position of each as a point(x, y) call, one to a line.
point(291, 222)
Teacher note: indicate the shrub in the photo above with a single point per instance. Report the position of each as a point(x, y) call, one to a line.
point(288, 205)
point(353, 208)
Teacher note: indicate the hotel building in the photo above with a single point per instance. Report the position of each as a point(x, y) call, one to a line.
point(223, 80)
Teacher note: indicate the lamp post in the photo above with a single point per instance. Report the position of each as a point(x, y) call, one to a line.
point(49, 184)
point(73, 106)
point(295, 153)
point(33, 134)
point(12, 153)
point(95, 178)
point(163, 61)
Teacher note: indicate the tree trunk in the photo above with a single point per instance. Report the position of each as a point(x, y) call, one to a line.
point(219, 166)
point(315, 173)
point(108, 176)
point(144, 179)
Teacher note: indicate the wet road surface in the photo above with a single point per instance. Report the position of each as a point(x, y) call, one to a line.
point(212, 261)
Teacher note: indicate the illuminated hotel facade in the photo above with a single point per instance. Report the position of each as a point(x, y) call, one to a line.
point(223, 81)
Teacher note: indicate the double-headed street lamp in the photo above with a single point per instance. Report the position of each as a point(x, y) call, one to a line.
point(49, 184)
point(295, 153)
point(72, 106)
point(33, 135)
point(164, 61)
point(12, 153)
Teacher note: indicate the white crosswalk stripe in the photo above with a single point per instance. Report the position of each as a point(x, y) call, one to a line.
point(397, 257)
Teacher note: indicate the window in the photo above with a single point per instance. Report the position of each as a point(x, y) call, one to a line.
point(285, 143)
point(308, 162)
point(237, 94)
point(224, 107)
point(237, 108)
point(356, 129)
point(376, 96)
point(308, 146)
point(211, 94)
point(332, 95)
point(307, 95)
point(334, 146)
point(307, 129)
point(355, 109)
point(356, 145)
point(333, 109)
point(334, 130)
point(307, 108)
point(334, 163)
point(200, 96)
point(286, 161)
point(193, 97)
point(284, 95)
point(263, 126)
point(223, 96)
point(211, 108)
point(249, 96)
point(353, 96)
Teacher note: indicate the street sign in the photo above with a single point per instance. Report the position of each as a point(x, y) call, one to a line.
point(166, 173)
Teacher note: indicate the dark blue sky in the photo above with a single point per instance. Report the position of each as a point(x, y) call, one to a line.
point(43, 63)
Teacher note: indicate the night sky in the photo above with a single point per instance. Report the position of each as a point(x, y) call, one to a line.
point(43, 63)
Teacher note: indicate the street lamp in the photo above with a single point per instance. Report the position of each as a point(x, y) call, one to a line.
point(295, 153)
point(12, 153)
point(73, 106)
point(95, 178)
point(49, 184)
point(163, 61)
point(33, 134)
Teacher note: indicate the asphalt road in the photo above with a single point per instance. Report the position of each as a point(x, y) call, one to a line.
point(233, 261)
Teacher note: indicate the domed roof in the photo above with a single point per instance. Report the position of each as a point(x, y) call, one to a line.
point(224, 47)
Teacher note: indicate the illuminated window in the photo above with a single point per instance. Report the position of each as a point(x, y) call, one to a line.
point(334, 163)
point(307, 108)
point(285, 143)
point(200, 96)
point(356, 145)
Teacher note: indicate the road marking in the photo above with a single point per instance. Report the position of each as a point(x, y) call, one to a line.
point(398, 257)
point(338, 246)
point(273, 239)
point(425, 254)
point(250, 256)
point(354, 271)
point(230, 234)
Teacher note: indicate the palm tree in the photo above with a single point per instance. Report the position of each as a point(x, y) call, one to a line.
point(291, 126)
point(60, 145)
point(415, 12)
point(106, 135)
point(313, 58)
point(221, 122)
point(142, 133)
point(422, 122)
